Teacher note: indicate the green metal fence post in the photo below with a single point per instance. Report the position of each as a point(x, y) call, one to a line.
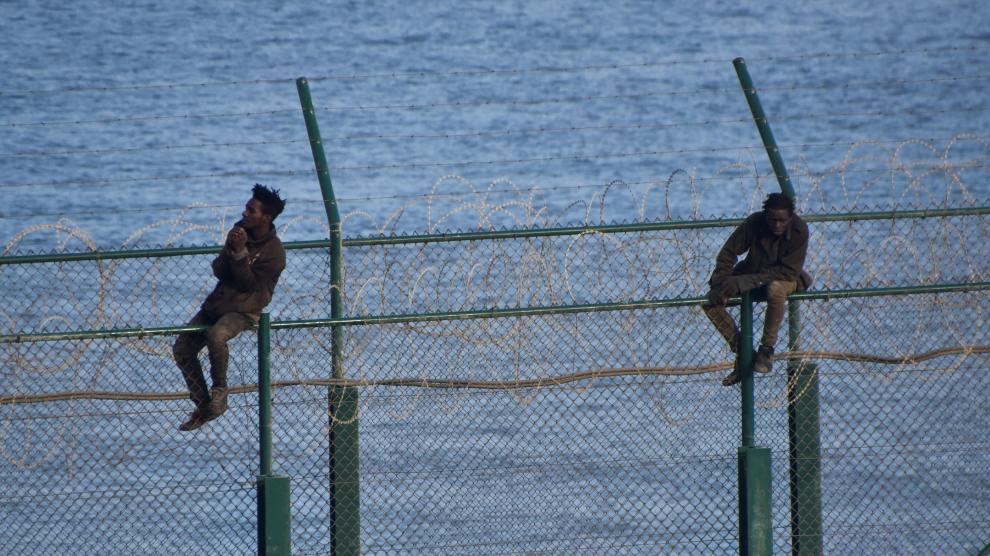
point(803, 432)
point(803, 408)
point(274, 522)
point(265, 394)
point(745, 365)
point(755, 532)
point(345, 502)
point(763, 125)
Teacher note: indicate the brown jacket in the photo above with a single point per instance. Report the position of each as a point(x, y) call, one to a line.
point(768, 257)
point(246, 285)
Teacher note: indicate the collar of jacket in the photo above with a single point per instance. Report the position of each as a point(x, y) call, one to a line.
point(267, 236)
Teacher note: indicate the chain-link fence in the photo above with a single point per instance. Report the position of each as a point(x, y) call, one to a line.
point(543, 391)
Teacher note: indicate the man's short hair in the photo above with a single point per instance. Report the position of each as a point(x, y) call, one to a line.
point(271, 203)
point(779, 201)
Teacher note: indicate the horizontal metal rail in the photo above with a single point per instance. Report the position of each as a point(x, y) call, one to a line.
point(821, 295)
point(520, 233)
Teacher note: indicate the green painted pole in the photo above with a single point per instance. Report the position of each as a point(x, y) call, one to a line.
point(274, 523)
point(803, 399)
point(319, 155)
point(755, 533)
point(746, 369)
point(274, 501)
point(763, 125)
point(345, 505)
point(264, 394)
point(804, 450)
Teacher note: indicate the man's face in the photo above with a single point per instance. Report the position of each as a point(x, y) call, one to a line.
point(253, 219)
point(777, 220)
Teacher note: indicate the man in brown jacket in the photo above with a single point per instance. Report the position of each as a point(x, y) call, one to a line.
point(247, 270)
point(775, 241)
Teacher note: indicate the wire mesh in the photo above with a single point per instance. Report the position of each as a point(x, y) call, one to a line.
point(97, 476)
point(595, 432)
point(902, 448)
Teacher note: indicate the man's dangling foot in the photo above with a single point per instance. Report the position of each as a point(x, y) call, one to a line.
point(199, 417)
point(764, 359)
point(733, 377)
point(218, 402)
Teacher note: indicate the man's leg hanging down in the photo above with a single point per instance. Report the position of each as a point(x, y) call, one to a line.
point(726, 326)
point(777, 292)
point(225, 329)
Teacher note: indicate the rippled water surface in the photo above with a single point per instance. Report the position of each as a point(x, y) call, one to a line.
point(116, 115)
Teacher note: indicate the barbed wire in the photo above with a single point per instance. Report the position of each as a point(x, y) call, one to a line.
point(625, 127)
point(515, 384)
point(871, 83)
point(342, 199)
point(526, 363)
point(148, 87)
point(701, 61)
point(608, 156)
point(309, 171)
point(512, 102)
point(185, 208)
point(492, 72)
point(652, 94)
point(498, 133)
point(154, 118)
point(795, 173)
point(399, 393)
point(29, 154)
point(652, 181)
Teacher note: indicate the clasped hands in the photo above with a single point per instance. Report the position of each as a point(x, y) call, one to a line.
point(237, 239)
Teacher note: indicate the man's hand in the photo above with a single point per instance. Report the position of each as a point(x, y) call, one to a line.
point(717, 296)
point(237, 239)
point(728, 287)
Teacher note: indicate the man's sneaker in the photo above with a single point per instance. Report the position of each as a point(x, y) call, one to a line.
point(197, 419)
point(218, 402)
point(762, 364)
point(764, 360)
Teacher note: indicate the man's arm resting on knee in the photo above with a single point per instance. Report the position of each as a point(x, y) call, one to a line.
point(725, 261)
point(733, 285)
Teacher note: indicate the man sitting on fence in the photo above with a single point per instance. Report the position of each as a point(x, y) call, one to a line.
point(247, 270)
point(775, 241)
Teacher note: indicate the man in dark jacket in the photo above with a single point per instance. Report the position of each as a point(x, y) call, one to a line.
point(775, 241)
point(247, 270)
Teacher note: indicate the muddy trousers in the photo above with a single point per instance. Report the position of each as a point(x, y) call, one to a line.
point(775, 293)
point(188, 345)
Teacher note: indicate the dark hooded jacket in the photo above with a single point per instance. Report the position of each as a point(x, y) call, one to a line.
point(246, 284)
